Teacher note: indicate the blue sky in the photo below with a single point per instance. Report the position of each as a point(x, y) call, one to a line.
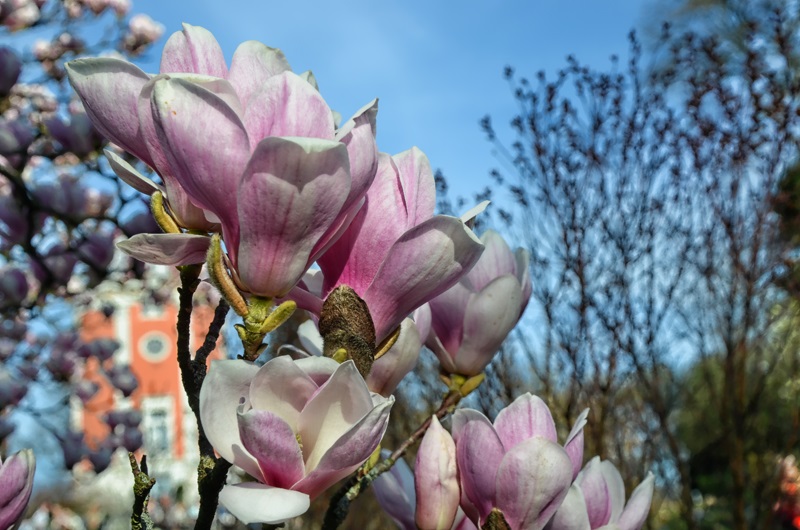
point(435, 65)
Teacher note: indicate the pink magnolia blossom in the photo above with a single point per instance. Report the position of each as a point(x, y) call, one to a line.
point(470, 321)
point(436, 479)
point(387, 371)
point(10, 68)
point(297, 427)
point(253, 148)
point(395, 492)
point(396, 254)
point(596, 501)
point(16, 485)
point(515, 465)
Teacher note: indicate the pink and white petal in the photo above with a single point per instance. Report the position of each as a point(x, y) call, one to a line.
point(293, 352)
point(109, 89)
point(479, 453)
point(252, 64)
point(595, 490)
point(189, 120)
point(167, 249)
point(574, 443)
point(426, 261)
point(305, 300)
point(422, 320)
point(447, 316)
point(319, 369)
point(497, 260)
point(462, 417)
point(638, 507)
point(394, 491)
point(347, 453)
point(287, 105)
point(342, 402)
point(490, 316)
point(394, 365)
point(226, 386)
point(446, 361)
point(523, 258)
point(616, 489)
point(16, 477)
point(282, 388)
point(419, 188)
point(436, 479)
point(532, 481)
point(252, 502)
point(470, 215)
point(291, 193)
point(128, 174)
point(358, 134)
point(526, 417)
point(273, 444)
point(571, 515)
point(193, 50)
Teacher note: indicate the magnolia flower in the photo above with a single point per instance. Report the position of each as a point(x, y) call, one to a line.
point(10, 68)
point(515, 466)
point(253, 148)
point(16, 485)
point(78, 136)
point(436, 481)
point(387, 371)
point(297, 427)
point(395, 492)
point(596, 501)
point(470, 321)
point(396, 254)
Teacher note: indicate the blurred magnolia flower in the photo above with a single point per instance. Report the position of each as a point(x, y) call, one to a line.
point(470, 321)
point(142, 31)
point(596, 500)
point(387, 371)
point(395, 492)
point(15, 138)
point(396, 254)
point(16, 485)
point(515, 467)
point(13, 287)
point(281, 149)
point(10, 68)
point(19, 14)
point(77, 136)
point(297, 427)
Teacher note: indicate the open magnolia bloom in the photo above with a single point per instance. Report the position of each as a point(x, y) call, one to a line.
point(515, 466)
point(253, 148)
point(16, 485)
point(596, 501)
point(469, 322)
point(396, 254)
point(297, 427)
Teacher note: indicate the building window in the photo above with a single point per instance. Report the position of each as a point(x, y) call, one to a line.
point(158, 424)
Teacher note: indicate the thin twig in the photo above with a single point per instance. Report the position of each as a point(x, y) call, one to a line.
point(142, 484)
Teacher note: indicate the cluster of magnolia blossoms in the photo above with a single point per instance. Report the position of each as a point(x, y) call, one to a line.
point(16, 485)
point(512, 474)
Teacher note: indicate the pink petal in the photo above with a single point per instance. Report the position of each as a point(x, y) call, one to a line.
point(479, 452)
point(394, 491)
point(128, 174)
point(447, 316)
point(616, 489)
point(426, 261)
point(291, 193)
point(358, 254)
point(342, 402)
point(206, 147)
point(193, 50)
point(253, 63)
point(497, 260)
point(638, 507)
point(526, 417)
point(309, 337)
point(282, 388)
point(358, 134)
point(490, 316)
point(348, 452)
point(109, 89)
point(394, 365)
point(287, 106)
point(571, 515)
point(532, 481)
point(319, 369)
point(574, 443)
point(422, 319)
point(167, 249)
point(226, 386)
point(524, 275)
point(419, 188)
point(436, 482)
point(252, 502)
point(16, 486)
point(593, 484)
point(272, 442)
